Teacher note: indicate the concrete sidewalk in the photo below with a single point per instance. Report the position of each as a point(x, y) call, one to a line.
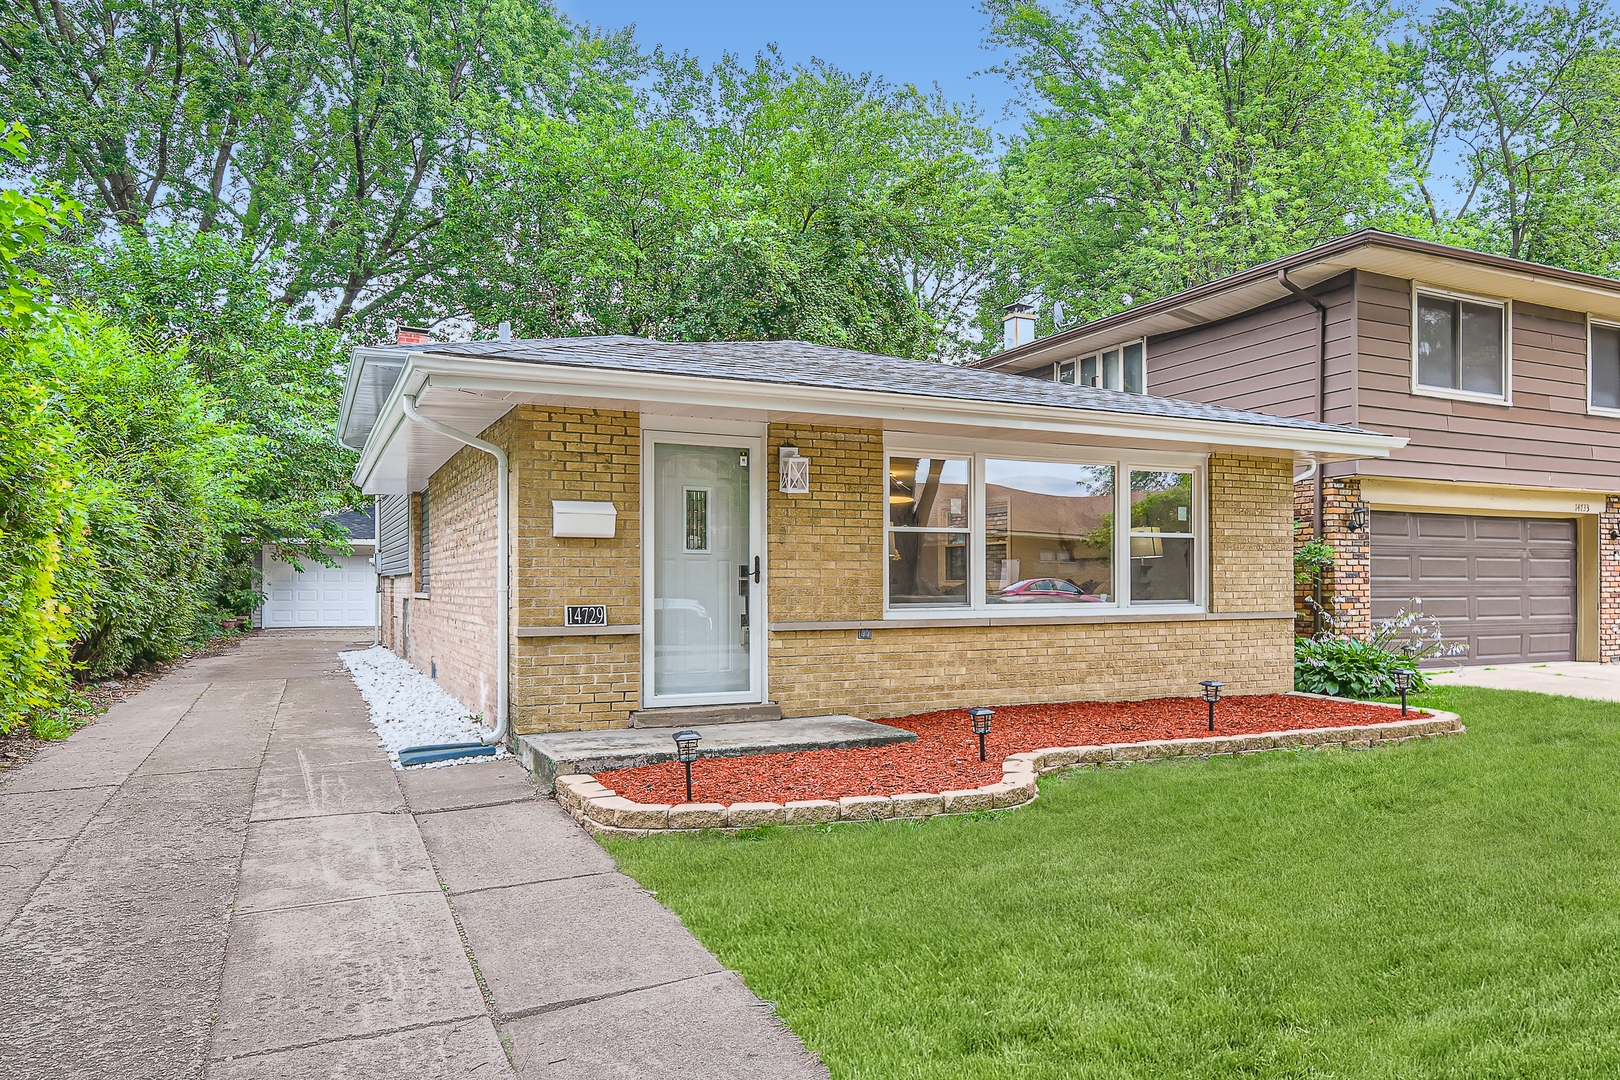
point(1599, 682)
point(224, 877)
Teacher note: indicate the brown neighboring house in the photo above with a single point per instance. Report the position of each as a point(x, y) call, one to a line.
point(1502, 513)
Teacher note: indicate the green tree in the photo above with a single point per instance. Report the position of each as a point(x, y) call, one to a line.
point(1526, 96)
point(1175, 141)
point(322, 134)
point(275, 378)
point(739, 202)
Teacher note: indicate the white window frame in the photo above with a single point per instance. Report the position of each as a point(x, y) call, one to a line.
point(1503, 304)
point(1057, 366)
point(1610, 324)
point(976, 452)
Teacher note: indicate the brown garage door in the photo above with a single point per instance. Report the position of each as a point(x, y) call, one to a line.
point(1506, 586)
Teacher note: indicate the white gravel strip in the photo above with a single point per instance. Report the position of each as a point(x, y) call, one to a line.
point(408, 708)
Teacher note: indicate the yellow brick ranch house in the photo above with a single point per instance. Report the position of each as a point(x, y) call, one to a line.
point(587, 532)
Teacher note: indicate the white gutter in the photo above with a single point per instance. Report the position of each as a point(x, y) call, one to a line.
point(789, 400)
point(502, 558)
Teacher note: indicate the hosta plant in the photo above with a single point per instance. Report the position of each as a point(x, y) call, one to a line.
point(1342, 666)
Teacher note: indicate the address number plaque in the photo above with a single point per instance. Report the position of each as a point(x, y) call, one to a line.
point(585, 615)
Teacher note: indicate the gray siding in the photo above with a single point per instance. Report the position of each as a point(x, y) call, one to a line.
point(393, 535)
point(1264, 360)
point(1545, 438)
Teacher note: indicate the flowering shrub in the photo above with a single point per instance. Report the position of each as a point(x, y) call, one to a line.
point(1332, 663)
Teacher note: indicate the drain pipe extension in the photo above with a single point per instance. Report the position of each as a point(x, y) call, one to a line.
point(502, 557)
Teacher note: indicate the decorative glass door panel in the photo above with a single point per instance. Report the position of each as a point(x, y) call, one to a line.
point(705, 579)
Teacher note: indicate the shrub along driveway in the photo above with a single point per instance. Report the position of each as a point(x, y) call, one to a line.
point(224, 877)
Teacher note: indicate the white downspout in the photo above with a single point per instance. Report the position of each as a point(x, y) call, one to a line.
point(1311, 465)
point(502, 558)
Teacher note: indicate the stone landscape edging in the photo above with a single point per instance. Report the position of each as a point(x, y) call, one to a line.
point(601, 810)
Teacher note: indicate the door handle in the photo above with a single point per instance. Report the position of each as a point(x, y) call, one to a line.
point(756, 569)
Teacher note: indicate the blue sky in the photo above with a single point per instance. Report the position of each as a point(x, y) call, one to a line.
point(902, 40)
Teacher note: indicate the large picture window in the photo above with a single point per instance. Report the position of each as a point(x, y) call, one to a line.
point(1016, 534)
point(1046, 532)
point(1161, 537)
point(1460, 345)
point(929, 534)
point(1604, 348)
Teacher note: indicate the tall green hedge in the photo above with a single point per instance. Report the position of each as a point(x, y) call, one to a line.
point(120, 480)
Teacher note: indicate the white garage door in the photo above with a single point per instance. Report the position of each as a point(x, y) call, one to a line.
point(320, 596)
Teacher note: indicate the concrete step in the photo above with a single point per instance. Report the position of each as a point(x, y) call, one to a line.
point(693, 715)
point(560, 753)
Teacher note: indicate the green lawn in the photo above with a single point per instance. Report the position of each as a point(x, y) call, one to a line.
point(1446, 908)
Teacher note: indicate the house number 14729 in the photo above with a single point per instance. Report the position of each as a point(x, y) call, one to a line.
point(585, 615)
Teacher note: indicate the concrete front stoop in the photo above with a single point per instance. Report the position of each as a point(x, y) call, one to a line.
point(561, 753)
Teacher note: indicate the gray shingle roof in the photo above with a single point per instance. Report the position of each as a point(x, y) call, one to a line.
point(798, 363)
point(357, 524)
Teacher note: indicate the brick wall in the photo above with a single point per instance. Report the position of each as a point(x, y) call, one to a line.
point(902, 670)
point(1609, 581)
point(825, 552)
point(573, 683)
point(826, 547)
point(1251, 561)
point(1347, 586)
point(451, 629)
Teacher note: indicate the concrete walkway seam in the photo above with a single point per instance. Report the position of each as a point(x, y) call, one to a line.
point(232, 913)
point(336, 1039)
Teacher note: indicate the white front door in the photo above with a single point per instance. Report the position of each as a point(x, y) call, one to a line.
point(703, 638)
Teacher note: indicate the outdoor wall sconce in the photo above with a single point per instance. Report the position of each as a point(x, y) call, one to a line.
point(1358, 519)
point(686, 753)
point(1212, 694)
point(793, 471)
point(981, 725)
point(1403, 684)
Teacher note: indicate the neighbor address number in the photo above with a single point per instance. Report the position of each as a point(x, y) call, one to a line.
point(585, 615)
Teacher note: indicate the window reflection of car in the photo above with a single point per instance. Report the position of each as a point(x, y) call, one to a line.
point(1047, 591)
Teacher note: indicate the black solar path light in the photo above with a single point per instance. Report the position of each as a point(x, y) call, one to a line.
point(981, 725)
point(1403, 684)
point(686, 752)
point(1212, 694)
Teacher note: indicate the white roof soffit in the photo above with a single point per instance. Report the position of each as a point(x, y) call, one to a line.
point(472, 393)
point(1378, 253)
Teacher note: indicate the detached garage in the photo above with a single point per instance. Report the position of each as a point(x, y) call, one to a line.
point(1506, 586)
point(323, 596)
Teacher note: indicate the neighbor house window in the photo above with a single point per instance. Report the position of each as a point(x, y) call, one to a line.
point(1604, 347)
point(1162, 537)
point(1048, 536)
point(1010, 534)
point(1123, 367)
point(929, 532)
point(1461, 345)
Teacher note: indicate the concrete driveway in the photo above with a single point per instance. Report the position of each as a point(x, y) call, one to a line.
point(223, 877)
point(1600, 682)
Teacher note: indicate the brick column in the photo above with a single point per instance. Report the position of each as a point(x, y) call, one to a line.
point(1609, 582)
point(1347, 587)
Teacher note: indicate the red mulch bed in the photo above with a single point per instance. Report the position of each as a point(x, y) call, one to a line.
point(945, 756)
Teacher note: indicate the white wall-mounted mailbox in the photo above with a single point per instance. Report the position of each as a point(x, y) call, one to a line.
point(592, 519)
